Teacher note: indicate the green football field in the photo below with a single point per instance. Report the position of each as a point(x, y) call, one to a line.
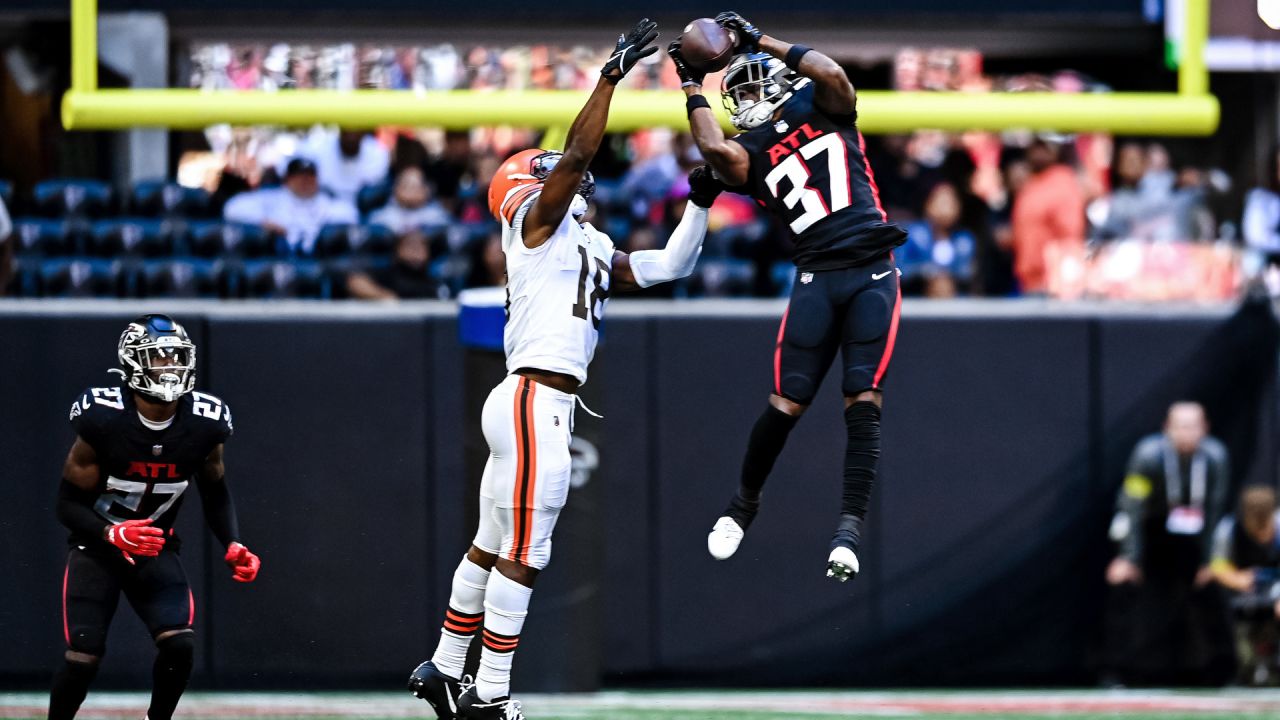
point(705, 705)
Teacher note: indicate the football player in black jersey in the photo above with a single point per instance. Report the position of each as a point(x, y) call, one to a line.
point(138, 447)
point(801, 157)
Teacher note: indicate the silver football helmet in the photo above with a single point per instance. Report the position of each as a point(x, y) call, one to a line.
point(157, 358)
point(754, 86)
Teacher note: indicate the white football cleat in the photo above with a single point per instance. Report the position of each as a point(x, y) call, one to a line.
point(842, 564)
point(724, 539)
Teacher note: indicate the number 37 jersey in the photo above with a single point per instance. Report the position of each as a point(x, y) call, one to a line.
point(556, 296)
point(146, 473)
point(809, 169)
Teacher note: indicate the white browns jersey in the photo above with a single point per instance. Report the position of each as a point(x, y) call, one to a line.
point(556, 295)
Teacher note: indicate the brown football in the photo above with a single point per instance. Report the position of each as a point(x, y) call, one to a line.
point(706, 46)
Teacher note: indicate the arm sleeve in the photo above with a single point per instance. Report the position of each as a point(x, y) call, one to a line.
point(219, 510)
point(677, 259)
point(75, 511)
point(1134, 496)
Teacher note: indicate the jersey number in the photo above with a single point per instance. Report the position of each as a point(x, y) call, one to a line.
point(599, 293)
point(812, 204)
point(206, 405)
point(129, 494)
point(107, 396)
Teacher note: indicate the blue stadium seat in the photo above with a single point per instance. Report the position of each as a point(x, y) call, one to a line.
point(161, 198)
point(372, 197)
point(215, 239)
point(128, 278)
point(40, 237)
point(718, 277)
point(287, 279)
point(181, 278)
point(25, 280)
point(367, 240)
point(133, 237)
point(77, 277)
point(72, 198)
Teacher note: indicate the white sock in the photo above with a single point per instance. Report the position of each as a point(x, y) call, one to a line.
point(506, 604)
point(462, 621)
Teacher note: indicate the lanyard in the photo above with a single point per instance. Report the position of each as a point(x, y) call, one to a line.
point(1173, 477)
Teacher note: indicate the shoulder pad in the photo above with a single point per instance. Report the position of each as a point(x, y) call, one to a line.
point(212, 411)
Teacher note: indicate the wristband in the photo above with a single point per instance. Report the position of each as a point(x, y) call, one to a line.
point(694, 102)
point(794, 55)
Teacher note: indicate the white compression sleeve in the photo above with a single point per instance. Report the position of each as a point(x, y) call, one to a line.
point(677, 259)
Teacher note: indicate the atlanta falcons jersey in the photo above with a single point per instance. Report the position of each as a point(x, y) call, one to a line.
point(145, 473)
point(809, 168)
point(556, 295)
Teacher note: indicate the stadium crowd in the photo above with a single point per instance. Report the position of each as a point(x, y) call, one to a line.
point(341, 214)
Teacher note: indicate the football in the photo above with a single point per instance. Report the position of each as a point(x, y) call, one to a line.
point(706, 46)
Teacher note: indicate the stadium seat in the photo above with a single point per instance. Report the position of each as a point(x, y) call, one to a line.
point(133, 237)
point(161, 198)
point(72, 198)
point(76, 278)
point(367, 240)
point(215, 239)
point(783, 275)
point(372, 197)
point(39, 237)
point(723, 278)
point(25, 280)
point(286, 279)
point(128, 278)
point(181, 278)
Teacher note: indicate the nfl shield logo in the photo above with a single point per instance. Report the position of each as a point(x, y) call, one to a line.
point(806, 278)
point(157, 449)
point(781, 126)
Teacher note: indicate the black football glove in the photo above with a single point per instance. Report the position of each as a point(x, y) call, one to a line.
point(748, 35)
point(630, 48)
point(704, 186)
point(686, 72)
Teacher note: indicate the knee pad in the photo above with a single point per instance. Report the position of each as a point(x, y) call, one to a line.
point(178, 651)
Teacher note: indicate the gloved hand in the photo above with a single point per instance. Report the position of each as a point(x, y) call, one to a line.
point(704, 186)
point(687, 74)
point(136, 537)
point(748, 35)
point(243, 563)
point(630, 48)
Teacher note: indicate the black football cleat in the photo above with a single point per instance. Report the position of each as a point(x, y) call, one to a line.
point(471, 707)
point(439, 690)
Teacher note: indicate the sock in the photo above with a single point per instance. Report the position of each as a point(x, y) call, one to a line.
point(170, 674)
point(70, 685)
point(462, 620)
point(506, 604)
point(767, 438)
point(862, 454)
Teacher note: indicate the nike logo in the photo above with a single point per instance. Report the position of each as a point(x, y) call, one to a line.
point(875, 276)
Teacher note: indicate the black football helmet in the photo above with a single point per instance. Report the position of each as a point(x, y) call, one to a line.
point(157, 358)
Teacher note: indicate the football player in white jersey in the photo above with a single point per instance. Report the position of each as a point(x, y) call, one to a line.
point(560, 273)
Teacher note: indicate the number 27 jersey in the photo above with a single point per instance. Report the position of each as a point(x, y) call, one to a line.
point(556, 295)
point(809, 169)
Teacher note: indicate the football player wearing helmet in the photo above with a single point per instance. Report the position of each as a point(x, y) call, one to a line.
point(799, 154)
point(138, 446)
point(560, 274)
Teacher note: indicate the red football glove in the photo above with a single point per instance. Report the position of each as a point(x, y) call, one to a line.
point(244, 564)
point(136, 537)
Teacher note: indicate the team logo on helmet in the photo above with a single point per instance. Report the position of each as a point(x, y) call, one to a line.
point(157, 358)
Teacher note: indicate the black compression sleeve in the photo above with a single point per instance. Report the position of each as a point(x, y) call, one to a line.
point(75, 510)
point(219, 510)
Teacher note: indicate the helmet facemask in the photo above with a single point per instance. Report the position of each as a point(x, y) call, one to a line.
point(546, 162)
point(754, 87)
point(159, 366)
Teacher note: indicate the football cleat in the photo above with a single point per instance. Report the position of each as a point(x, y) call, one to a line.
point(724, 539)
point(842, 564)
point(439, 690)
point(471, 707)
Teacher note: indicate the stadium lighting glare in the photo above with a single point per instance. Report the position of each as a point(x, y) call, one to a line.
point(1190, 111)
point(1269, 11)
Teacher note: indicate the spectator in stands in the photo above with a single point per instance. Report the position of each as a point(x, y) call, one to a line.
point(1246, 561)
point(997, 266)
point(1175, 493)
point(1048, 215)
point(489, 264)
point(1117, 214)
point(937, 259)
point(447, 170)
point(1262, 213)
point(405, 278)
point(959, 169)
point(294, 211)
point(411, 204)
point(346, 161)
point(1191, 220)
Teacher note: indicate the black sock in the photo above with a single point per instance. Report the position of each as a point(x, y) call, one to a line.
point(70, 685)
point(170, 674)
point(862, 421)
point(767, 438)
point(742, 511)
